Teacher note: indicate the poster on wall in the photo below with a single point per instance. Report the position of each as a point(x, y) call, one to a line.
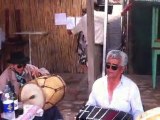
point(60, 19)
point(70, 23)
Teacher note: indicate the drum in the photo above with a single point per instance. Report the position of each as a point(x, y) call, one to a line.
point(152, 114)
point(44, 91)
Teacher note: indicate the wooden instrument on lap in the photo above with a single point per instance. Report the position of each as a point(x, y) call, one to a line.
point(44, 91)
point(97, 113)
point(152, 114)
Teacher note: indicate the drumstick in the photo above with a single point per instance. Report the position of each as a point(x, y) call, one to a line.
point(31, 97)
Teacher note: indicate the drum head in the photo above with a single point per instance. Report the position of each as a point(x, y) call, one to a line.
point(32, 94)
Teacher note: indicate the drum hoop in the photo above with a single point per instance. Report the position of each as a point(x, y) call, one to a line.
point(51, 75)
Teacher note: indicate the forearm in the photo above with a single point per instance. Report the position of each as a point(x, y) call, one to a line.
point(3, 79)
point(35, 71)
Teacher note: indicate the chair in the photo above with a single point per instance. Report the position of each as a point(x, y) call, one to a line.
point(155, 43)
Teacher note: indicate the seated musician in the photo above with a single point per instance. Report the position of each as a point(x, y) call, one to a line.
point(115, 90)
point(19, 73)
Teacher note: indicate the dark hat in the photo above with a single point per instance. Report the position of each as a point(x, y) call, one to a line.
point(18, 58)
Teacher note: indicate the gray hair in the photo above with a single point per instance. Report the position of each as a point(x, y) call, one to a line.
point(120, 55)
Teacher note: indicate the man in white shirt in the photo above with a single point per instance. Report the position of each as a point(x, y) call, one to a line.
point(114, 26)
point(115, 90)
point(98, 23)
point(114, 32)
point(99, 35)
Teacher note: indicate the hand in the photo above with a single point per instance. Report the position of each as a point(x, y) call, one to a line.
point(35, 74)
point(126, 8)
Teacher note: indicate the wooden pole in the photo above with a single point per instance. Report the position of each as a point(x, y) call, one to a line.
point(105, 37)
point(90, 47)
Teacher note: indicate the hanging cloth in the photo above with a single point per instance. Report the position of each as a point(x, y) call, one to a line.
point(82, 48)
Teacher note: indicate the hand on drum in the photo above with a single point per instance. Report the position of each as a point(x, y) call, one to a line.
point(35, 74)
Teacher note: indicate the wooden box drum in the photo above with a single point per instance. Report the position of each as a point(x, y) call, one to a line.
point(152, 114)
point(44, 91)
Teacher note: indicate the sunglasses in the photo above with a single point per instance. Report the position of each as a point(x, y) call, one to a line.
point(21, 65)
point(112, 66)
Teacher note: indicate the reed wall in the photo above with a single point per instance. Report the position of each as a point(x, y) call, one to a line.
point(55, 50)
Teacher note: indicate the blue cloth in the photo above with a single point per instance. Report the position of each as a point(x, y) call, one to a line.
point(20, 78)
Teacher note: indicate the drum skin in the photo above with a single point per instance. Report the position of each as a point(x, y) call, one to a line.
point(29, 90)
point(53, 90)
point(152, 114)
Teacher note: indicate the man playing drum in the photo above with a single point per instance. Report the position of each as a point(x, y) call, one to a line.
point(19, 73)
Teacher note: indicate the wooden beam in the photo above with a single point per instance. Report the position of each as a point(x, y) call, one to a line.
point(90, 47)
point(105, 36)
